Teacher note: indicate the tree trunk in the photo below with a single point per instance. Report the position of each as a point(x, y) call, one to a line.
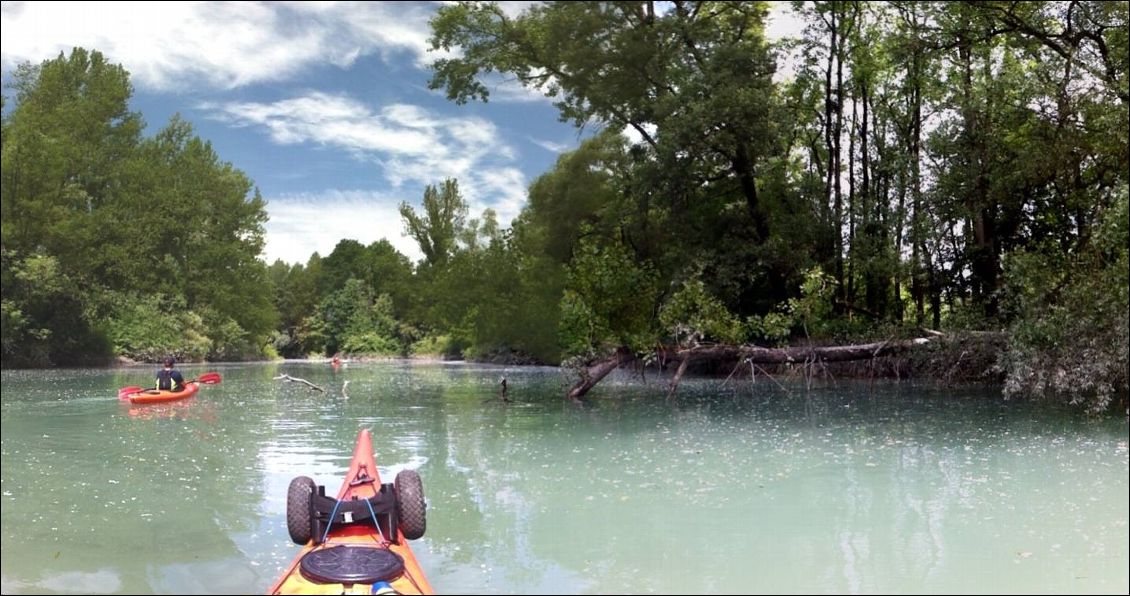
point(849, 293)
point(597, 371)
point(752, 354)
point(839, 205)
point(984, 259)
point(827, 237)
point(742, 165)
point(759, 355)
point(679, 372)
point(919, 258)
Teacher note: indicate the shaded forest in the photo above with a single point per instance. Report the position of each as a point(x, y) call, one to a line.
point(899, 170)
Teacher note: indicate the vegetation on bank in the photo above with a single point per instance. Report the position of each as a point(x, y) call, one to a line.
point(116, 243)
point(937, 166)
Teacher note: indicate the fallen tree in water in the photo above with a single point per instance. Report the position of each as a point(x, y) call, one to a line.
point(594, 371)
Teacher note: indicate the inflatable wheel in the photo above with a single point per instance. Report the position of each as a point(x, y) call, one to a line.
point(298, 509)
point(410, 500)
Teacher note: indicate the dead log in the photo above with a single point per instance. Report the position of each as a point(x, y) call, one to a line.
point(678, 376)
point(597, 371)
point(291, 379)
point(800, 354)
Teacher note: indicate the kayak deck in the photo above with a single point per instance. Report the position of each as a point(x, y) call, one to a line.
point(152, 396)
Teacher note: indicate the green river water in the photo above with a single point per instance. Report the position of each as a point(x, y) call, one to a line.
point(739, 488)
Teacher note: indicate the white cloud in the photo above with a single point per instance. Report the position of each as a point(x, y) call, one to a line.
point(301, 225)
point(508, 191)
point(330, 120)
point(397, 131)
point(550, 146)
point(513, 8)
point(175, 46)
point(412, 146)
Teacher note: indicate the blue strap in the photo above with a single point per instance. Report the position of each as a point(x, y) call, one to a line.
point(333, 516)
point(375, 523)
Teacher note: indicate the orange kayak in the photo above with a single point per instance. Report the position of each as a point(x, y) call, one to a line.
point(152, 396)
point(358, 542)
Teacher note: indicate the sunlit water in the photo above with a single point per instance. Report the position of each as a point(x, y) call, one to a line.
point(742, 488)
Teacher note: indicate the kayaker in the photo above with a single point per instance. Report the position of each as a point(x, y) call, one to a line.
point(169, 378)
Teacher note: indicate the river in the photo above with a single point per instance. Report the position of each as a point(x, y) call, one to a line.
point(738, 487)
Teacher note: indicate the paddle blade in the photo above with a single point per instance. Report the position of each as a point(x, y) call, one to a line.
point(209, 378)
point(124, 392)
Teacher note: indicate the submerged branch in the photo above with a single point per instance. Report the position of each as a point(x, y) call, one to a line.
point(291, 379)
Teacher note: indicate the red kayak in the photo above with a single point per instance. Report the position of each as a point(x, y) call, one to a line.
point(152, 396)
point(358, 542)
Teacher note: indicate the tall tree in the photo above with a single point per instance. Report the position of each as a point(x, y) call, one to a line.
point(138, 228)
point(439, 227)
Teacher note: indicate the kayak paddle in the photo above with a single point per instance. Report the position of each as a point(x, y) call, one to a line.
point(210, 378)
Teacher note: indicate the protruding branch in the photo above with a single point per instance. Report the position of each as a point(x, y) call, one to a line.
point(291, 379)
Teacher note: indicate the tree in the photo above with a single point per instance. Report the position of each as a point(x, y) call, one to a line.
point(439, 227)
point(137, 228)
point(65, 142)
point(694, 83)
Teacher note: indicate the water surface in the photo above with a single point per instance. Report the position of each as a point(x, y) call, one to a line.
point(737, 488)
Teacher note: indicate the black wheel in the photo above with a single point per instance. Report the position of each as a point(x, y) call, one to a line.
point(298, 508)
point(410, 500)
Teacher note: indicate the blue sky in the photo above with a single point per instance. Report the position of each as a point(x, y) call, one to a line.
point(325, 106)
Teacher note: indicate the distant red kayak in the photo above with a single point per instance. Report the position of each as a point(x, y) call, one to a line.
point(153, 396)
point(358, 542)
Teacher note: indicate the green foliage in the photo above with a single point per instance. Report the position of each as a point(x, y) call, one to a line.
point(610, 300)
point(492, 297)
point(1071, 335)
point(813, 308)
point(295, 297)
point(149, 327)
point(15, 332)
point(44, 319)
point(269, 353)
point(229, 340)
point(436, 231)
point(579, 189)
point(92, 210)
point(692, 315)
point(773, 327)
point(434, 345)
point(374, 331)
point(693, 83)
point(916, 149)
point(353, 321)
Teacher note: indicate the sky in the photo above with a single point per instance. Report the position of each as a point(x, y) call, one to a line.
point(325, 106)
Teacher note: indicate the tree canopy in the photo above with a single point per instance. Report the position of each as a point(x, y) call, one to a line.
point(114, 243)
